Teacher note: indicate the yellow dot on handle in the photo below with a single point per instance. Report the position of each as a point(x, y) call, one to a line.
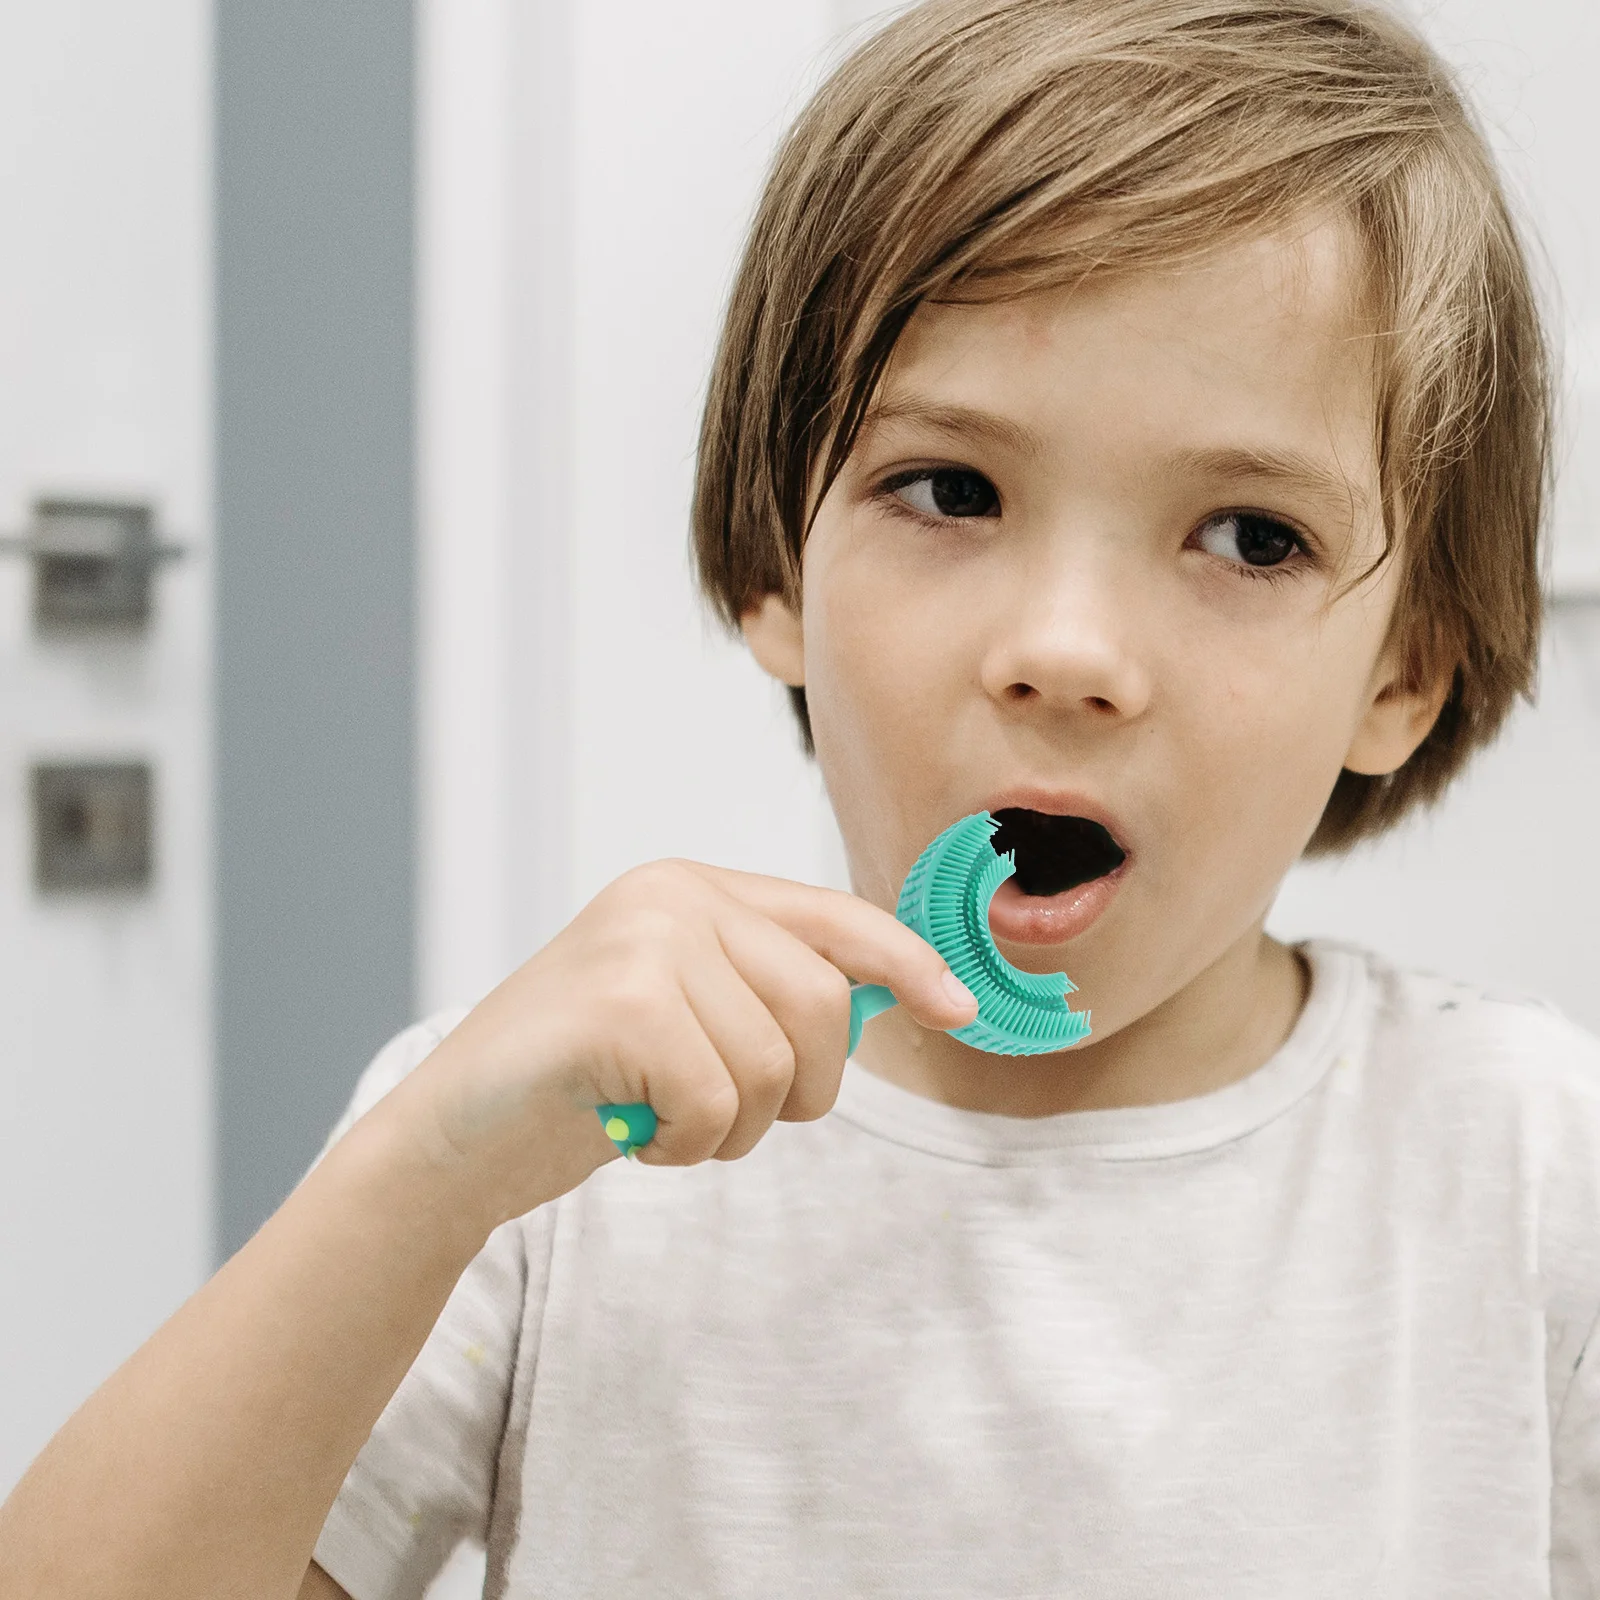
point(616, 1128)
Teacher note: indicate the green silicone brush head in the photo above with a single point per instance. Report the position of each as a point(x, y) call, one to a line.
point(946, 899)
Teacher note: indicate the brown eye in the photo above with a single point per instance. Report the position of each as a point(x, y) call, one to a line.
point(1249, 539)
point(949, 492)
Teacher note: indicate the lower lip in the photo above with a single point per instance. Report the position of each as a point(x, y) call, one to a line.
point(1050, 919)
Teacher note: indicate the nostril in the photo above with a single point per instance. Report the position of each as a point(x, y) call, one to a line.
point(1100, 704)
point(1022, 691)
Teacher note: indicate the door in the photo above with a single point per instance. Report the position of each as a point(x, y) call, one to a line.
point(104, 397)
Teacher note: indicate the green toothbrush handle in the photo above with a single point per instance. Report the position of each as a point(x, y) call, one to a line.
point(866, 1001)
point(632, 1127)
point(629, 1127)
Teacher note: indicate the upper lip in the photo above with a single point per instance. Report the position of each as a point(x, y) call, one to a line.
point(1059, 803)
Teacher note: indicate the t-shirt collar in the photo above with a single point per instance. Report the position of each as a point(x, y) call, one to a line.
point(1331, 1027)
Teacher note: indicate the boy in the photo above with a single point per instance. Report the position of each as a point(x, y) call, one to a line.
point(1131, 419)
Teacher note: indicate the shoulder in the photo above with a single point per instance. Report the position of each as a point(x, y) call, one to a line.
point(1497, 1088)
point(1480, 1066)
point(1492, 1100)
point(1486, 1103)
point(1443, 1034)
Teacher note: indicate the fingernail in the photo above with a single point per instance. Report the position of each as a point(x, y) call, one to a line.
point(957, 992)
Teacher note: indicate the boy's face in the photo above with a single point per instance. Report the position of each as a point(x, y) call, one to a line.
point(1096, 557)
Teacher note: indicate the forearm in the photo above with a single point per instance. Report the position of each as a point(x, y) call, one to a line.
point(206, 1465)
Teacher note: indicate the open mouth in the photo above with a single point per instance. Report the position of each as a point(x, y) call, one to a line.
point(1055, 854)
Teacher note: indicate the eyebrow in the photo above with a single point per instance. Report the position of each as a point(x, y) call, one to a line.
point(1285, 469)
point(956, 422)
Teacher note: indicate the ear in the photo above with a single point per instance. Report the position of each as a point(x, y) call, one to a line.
point(1397, 719)
point(773, 632)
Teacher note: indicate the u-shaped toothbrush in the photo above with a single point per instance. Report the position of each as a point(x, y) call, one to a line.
point(945, 898)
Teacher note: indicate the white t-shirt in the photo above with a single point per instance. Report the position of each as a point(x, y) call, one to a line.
point(1320, 1333)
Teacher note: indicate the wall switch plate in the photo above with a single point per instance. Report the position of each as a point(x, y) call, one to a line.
point(92, 825)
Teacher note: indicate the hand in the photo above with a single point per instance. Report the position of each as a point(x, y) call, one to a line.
point(721, 998)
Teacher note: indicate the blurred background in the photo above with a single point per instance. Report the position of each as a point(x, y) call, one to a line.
point(350, 357)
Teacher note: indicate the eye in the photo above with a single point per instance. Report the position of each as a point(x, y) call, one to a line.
point(946, 492)
point(1249, 539)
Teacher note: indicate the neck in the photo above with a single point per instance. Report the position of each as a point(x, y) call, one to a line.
point(1219, 1027)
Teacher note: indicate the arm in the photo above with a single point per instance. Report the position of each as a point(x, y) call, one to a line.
point(1575, 1488)
point(206, 1466)
point(319, 1586)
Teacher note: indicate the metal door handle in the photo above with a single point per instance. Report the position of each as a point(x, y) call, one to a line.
point(92, 561)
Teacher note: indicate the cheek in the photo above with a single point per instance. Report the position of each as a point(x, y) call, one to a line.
point(878, 671)
point(885, 690)
point(1271, 729)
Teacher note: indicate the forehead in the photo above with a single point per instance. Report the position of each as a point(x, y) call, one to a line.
point(1263, 343)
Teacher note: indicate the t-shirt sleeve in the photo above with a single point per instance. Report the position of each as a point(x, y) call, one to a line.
point(1575, 1495)
point(424, 1481)
point(407, 1050)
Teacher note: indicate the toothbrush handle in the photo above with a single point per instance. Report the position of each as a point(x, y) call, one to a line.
point(631, 1127)
point(628, 1127)
point(866, 1001)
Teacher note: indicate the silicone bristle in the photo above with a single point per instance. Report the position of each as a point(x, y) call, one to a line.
point(946, 899)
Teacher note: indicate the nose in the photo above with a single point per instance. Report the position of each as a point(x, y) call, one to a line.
point(1072, 641)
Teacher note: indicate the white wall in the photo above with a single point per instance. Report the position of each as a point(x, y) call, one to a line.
point(679, 745)
point(1501, 884)
point(588, 169)
point(104, 388)
point(1529, 70)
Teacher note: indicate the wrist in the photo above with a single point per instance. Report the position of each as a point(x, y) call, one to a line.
point(485, 1146)
point(402, 1186)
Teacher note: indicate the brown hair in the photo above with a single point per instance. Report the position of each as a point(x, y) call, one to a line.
point(982, 148)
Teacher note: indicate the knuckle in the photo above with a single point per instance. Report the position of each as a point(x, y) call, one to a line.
point(831, 993)
point(807, 1108)
point(707, 1127)
point(647, 925)
point(821, 1008)
point(643, 987)
point(660, 906)
point(638, 893)
point(665, 878)
point(696, 1128)
point(774, 1063)
point(719, 1106)
point(638, 996)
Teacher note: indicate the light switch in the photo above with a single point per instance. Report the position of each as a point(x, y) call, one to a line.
point(91, 825)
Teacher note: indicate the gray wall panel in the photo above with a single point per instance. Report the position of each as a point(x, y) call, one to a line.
point(315, 605)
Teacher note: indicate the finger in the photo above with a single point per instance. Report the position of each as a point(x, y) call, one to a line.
point(860, 939)
point(807, 996)
point(756, 1052)
point(662, 1056)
